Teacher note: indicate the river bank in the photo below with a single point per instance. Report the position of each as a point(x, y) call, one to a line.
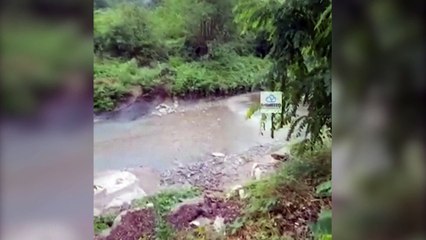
point(217, 198)
point(116, 190)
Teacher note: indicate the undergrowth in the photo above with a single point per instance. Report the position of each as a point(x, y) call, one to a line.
point(294, 203)
point(101, 223)
point(163, 203)
point(231, 74)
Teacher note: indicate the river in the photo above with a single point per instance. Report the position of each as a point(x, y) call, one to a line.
point(135, 137)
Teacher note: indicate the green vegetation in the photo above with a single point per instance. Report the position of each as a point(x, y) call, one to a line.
point(163, 203)
point(300, 32)
point(275, 205)
point(181, 47)
point(103, 222)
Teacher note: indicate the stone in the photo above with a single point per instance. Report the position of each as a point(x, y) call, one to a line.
point(195, 223)
point(256, 172)
point(200, 222)
point(242, 194)
point(219, 225)
point(115, 181)
point(150, 205)
point(218, 154)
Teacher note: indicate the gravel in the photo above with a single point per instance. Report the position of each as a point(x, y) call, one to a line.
point(211, 173)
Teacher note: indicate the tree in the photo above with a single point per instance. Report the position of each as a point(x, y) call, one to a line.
point(300, 31)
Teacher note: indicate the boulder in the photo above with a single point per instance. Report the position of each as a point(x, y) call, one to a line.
point(219, 225)
point(115, 181)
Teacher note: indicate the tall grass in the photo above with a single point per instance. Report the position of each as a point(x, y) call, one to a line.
point(228, 75)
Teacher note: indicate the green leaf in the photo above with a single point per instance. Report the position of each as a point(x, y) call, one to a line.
point(324, 188)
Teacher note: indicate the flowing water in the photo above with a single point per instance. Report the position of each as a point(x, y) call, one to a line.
point(134, 137)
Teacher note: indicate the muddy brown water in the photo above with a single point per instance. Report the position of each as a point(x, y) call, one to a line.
point(134, 137)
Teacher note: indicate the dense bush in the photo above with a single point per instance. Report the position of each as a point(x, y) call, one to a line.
point(229, 74)
point(126, 32)
point(180, 46)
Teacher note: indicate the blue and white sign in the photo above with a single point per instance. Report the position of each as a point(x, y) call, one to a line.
point(270, 102)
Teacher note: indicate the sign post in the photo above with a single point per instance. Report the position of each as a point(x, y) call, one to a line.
point(270, 102)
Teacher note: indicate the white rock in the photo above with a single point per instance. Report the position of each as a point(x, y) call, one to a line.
point(242, 194)
point(218, 154)
point(219, 225)
point(200, 222)
point(194, 223)
point(115, 181)
point(150, 205)
point(256, 172)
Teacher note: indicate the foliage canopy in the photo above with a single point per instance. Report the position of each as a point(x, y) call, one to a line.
point(300, 31)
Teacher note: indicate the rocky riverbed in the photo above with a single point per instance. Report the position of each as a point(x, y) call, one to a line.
point(215, 176)
point(217, 173)
point(220, 172)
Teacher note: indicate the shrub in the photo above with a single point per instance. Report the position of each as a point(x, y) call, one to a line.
point(113, 80)
point(126, 32)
